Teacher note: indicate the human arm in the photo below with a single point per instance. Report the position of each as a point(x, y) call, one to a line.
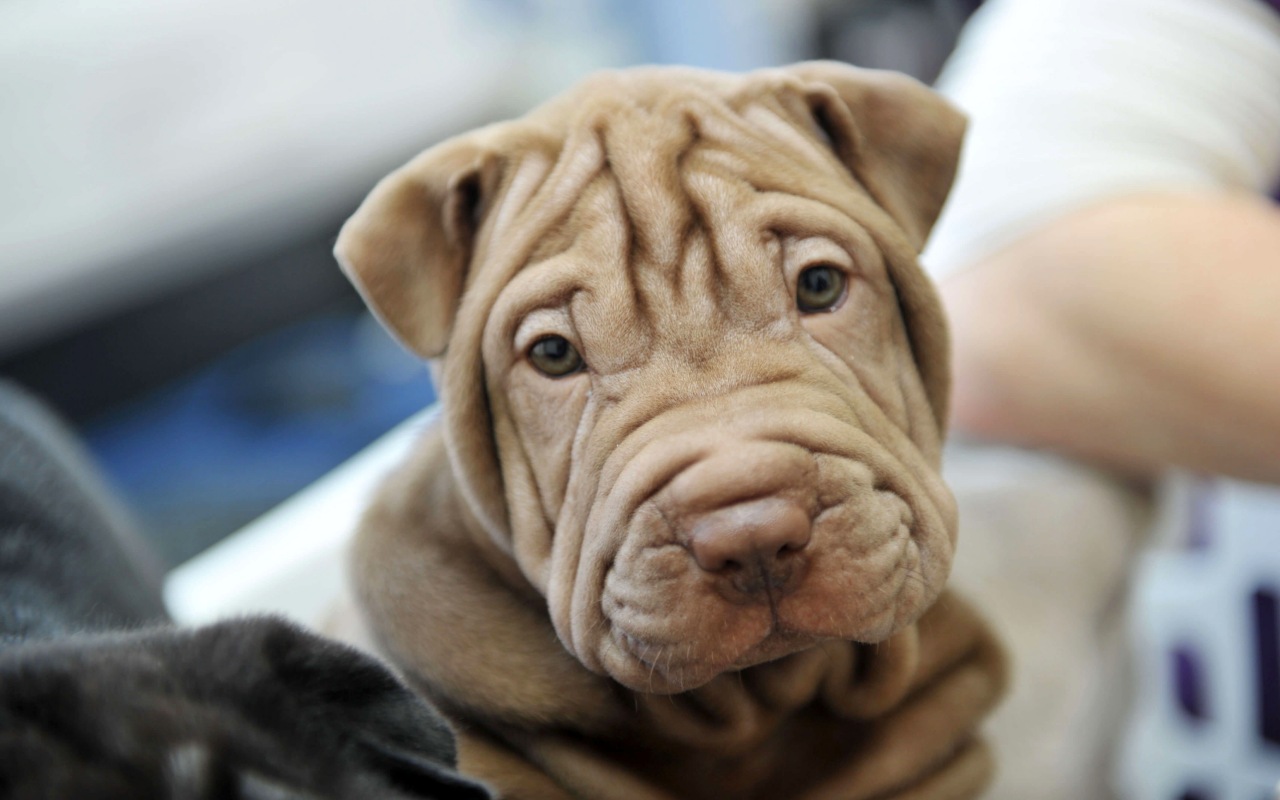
point(1107, 257)
point(1140, 332)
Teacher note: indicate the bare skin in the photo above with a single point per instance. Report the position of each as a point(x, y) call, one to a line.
point(1140, 333)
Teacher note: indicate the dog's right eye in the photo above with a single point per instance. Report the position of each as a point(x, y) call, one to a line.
point(819, 288)
point(554, 357)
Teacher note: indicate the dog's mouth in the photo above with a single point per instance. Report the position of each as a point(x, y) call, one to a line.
point(677, 627)
point(671, 667)
point(663, 665)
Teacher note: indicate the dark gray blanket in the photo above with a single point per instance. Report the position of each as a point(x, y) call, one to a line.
point(101, 697)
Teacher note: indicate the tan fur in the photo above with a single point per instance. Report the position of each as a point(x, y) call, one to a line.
point(548, 565)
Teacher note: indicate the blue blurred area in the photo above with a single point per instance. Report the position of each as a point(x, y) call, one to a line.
point(211, 452)
point(712, 34)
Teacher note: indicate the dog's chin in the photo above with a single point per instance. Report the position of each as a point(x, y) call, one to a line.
point(658, 668)
point(671, 667)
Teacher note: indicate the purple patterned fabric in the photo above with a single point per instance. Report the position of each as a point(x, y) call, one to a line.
point(1189, 682)
point(1266, 620)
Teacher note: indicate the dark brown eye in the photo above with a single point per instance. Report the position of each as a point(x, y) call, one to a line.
point(820, 288)
point(555, 357)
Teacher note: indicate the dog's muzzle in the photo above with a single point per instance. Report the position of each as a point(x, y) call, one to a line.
point(743, 548)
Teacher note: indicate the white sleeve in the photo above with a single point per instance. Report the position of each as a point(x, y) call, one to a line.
point(1072, 101)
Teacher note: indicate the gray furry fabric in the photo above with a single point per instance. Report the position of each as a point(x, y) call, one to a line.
point(101, 698)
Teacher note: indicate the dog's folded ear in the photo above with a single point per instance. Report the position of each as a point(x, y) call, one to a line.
point(407, 248)
point(898, 138)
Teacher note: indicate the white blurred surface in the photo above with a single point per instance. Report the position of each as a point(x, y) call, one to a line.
point(1074, 101)
point(290, 561)
point(141, 137)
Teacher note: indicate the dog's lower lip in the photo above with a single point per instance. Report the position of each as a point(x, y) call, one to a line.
point(658, 671)
point(651, 655)
point(631, 643)
point(639, 649)
point(657, 658)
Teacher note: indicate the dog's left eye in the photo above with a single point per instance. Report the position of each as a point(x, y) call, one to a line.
point(819, 288)
point(554, 357)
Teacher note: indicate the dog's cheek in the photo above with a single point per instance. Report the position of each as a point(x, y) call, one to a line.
point(863, 335)
point(546, 415)
point(921, 425)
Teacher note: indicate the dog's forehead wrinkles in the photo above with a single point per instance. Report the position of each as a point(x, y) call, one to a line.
point(652, 138)
point(526, 178)
point(544, 180)
point(817, 151)
point(652, 145)
point(643, 152)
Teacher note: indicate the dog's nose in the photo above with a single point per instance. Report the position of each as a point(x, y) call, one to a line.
point(754, 544)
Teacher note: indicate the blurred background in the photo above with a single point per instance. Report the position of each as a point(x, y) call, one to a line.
point(173, 175)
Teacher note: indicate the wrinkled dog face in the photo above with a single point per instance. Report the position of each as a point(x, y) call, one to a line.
point(691, 315)
point(720, 439)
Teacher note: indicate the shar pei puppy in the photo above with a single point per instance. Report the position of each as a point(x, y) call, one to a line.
point(680, 532)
